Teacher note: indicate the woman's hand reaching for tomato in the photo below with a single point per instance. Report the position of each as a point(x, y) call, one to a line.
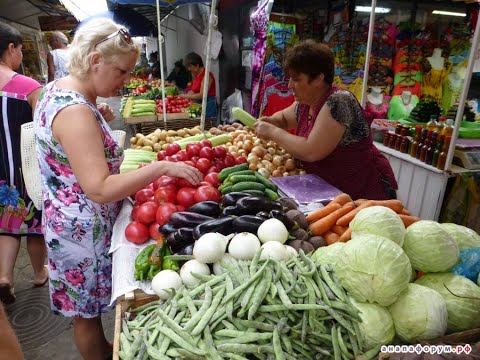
point(181, 170)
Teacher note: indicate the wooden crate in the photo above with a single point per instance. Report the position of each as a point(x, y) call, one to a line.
point(130, 300)
point(173, 124)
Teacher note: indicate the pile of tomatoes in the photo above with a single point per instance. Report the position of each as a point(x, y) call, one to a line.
point(154, 204)
point(174, 104)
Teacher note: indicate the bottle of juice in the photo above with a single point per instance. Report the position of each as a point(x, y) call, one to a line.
point(416, 139)
point(443, 155)
point(438, 150)
point(440, 124)
point(431, 149)
point(448, 129)
point(421, 143)
point(426, 145)
point(432, 124)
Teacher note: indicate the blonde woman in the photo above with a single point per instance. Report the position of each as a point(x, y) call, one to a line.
point(79, 162)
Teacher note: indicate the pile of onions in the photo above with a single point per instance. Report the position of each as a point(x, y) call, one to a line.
point(266, 157)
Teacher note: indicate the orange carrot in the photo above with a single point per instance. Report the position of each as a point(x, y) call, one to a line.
point(347, 235)
point(339, 230)
point(345, 220)
point(395, 205)
point(405, 212)
point(330, 237)
point(324, 224)
point(342, 199)
point(408, 219)
point(359, 202)
point(320, 213)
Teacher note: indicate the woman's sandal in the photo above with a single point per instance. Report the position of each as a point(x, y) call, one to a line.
point(6, 294)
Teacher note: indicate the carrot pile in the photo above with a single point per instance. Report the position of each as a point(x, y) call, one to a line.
point(332, 221)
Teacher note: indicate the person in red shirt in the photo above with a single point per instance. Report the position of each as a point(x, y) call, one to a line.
point(194, 64)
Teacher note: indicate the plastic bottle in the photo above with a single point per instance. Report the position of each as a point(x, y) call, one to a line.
point(432, 124)
point(448, 129)
point(415, 141)
point(426, 145)
point(443, 155)
point(431, 149)
point(440, 124)
point(421, 143)
point(438, 150)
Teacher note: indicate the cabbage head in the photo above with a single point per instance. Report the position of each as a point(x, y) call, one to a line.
point(379, 220)
point(329, 254)
point(463, 299)
point(466, 238)
point(376, 327)
point(374, 269)
point(420, 313)
point(429, 247)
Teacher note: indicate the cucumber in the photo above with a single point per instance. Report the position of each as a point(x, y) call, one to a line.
point(222, 175)
point(255, 193)
point(270, 194)
point(227, 190)
point(267, 183)
point(248, 185)
point(242, 172)
point(235, 178)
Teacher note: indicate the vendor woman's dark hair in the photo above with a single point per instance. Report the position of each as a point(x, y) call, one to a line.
point(8, 35)
point(193, 59)
point(311, 58)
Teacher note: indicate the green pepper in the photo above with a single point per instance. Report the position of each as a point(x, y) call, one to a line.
point(170, 264)
point(155, 259)
point(141, 263)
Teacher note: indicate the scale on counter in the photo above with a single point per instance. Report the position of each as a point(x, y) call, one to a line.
point(467, 154)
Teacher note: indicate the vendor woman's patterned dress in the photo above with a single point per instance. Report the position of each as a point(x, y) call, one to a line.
point(77, 230)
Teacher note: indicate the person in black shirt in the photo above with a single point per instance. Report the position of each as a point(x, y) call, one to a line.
point(179, 75)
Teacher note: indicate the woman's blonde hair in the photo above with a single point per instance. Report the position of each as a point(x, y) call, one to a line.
point(90, 34)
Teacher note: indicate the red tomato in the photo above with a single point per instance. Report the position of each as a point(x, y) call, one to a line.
point(161, 155)
point(143, 195)
point(137, 232)
point(133, 214)
point(194, 159)
point(170, 97)
point(185, 196)
point(183, 155)
point(229, 160)
point(206, 143)
point(219, 163)
point(204, 183)
point(165, 194)
point(172, 149)
point(203, 164)
point(212, 178)
point(165, 180)
point(176, 158)
point(220, 152)
point(193, 149)
point(189, 162)
point(149, 186)
point(154, 231)
point(207, 193)
point(184, 183)
point(181, 208)
point(213, 169)
point(240, 160)
point(207, 153)
point(146, 212)
point(164, 212)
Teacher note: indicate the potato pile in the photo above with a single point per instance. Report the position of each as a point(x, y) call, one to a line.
point(159, 139)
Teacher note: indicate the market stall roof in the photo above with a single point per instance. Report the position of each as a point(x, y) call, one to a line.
point(28, 12)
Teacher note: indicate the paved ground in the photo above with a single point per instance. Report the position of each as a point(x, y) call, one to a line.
point(42, 335)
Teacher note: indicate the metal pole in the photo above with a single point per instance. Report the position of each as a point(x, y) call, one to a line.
point(206, 80)
point(160, 53)
point(463, 97)
point(371, 30)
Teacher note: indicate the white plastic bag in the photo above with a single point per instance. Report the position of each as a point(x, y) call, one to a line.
point(234, 100)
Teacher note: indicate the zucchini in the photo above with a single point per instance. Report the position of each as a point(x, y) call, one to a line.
point(222, 175)
point(242, 178)
point(248, 185)
point(270, 194)
point(244, 117)
point(267, 183)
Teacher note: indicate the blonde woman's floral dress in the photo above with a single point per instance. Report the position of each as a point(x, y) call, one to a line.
point(77, 230)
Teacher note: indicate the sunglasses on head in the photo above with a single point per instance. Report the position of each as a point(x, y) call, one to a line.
point(124, 35)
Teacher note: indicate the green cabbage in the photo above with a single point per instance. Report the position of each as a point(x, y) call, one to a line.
point(429, 247)
point(374, 269)
point(462, 297)
point(379, 220)
point(329, 254)
point(466, 238)
point(420, 313)
point(376, 327)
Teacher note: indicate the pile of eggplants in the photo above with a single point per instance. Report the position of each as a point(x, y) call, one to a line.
point(238, 212)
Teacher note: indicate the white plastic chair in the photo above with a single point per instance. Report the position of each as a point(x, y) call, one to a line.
point(30, 168)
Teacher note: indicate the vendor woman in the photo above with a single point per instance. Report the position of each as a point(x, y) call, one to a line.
point(332, 131)
point(194, 64)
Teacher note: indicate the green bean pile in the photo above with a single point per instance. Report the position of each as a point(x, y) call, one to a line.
point(263, 309)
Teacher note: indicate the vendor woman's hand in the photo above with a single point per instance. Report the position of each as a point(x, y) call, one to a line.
point(184, 171)
point(264, 129)
point(106, 112)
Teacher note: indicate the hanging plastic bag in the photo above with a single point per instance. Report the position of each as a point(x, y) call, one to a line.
point(234, 100)
point(469, 266)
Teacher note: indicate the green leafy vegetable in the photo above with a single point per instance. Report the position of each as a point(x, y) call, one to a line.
point(466, 238)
